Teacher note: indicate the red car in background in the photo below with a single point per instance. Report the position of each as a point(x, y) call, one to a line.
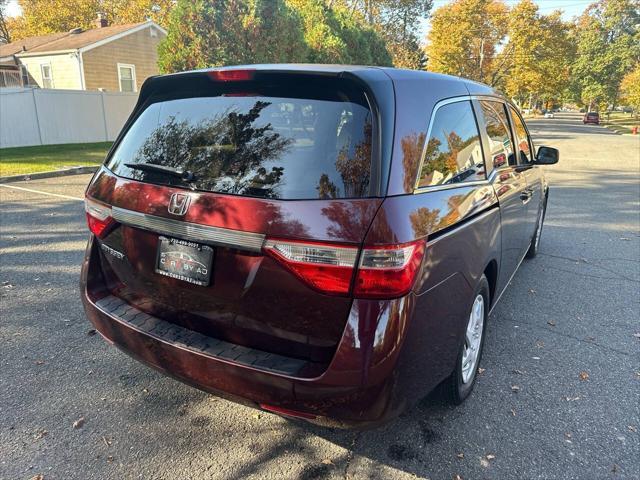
point(591, 117)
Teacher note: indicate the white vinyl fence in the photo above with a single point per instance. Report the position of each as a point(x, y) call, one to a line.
point(31, 116)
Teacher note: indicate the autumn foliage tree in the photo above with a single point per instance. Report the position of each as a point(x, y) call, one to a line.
point(608, 47)
point(464, 37)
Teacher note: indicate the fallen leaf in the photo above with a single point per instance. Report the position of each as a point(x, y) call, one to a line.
point(38, 477)
point(540, 344)
point(551, 322)
point(327, 461)
point(517, 372)
point(513, 412)
point(515, 388)
point(484, 463)
point(532, 291)
point(39, 362)
point(460, 455)
point(110, 458)
point(490, 456)
point(91, 332)
point(457, 477)
point(40, 434)
point(481, 371)
point(78, 423)
point(584, 376)
point(145, 390)
point(632, 428)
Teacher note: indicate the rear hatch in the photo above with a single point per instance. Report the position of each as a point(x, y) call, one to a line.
point(235, 201)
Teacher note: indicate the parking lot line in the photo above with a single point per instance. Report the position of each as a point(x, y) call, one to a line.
point(42, 193)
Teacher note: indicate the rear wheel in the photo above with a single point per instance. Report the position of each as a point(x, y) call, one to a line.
point(535, 240)
point(462, 379)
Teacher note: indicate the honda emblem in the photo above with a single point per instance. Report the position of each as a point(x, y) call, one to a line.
point(179, 204)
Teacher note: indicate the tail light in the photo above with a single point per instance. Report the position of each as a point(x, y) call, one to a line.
point(383, 272)
point(388, 271)
point(99, 217)
point(327, 268)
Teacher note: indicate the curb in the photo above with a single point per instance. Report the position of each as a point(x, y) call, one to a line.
point(52, 174)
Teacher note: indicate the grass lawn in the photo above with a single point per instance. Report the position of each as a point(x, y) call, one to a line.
point(24, 160)
point(619, 121)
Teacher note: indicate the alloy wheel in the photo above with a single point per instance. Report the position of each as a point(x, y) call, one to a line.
point(473, 339)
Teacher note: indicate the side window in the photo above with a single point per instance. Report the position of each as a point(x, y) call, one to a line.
point(497, 124)
point(453, 151)
point(522, 139)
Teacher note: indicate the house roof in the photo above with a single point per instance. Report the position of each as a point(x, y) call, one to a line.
point(67, 41)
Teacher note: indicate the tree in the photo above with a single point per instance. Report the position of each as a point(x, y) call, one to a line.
point(464, 37)
point(396, 21)
point(535, 62)
point(608, 46)
point(335, 34)
point(206, 33)
point(5, 35)
point(40, 17)
point(630, 88)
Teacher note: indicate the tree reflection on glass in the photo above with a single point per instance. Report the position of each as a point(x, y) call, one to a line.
point(225, 153)
point(354, 166)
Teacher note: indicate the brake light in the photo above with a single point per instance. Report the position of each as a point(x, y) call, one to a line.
point(231, 75)
point(387, 271)
point(325, 267)
point(99, 217)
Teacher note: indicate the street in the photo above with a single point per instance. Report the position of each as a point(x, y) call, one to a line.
point(558, 397)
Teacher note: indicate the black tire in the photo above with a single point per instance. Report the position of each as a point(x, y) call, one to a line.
point(456, 389)
point(534, 246)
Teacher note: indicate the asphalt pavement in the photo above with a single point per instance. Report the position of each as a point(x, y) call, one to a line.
point(558, 397)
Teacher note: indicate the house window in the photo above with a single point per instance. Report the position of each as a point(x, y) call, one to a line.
point(127, 77)
point(47, 75)
point(25, 75)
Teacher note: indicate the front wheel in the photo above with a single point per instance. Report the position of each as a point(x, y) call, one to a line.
point(462, 379)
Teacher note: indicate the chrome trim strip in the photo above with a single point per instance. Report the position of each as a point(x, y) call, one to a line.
point(479, 217)
point(190, 231)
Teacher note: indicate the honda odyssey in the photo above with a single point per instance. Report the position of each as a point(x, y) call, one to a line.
point(322, 242)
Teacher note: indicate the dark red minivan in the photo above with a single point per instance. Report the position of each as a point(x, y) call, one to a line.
point(323, 242)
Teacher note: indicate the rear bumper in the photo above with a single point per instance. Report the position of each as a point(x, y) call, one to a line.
point(359, 386)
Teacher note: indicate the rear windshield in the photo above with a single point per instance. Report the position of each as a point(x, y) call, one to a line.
point(286, 142)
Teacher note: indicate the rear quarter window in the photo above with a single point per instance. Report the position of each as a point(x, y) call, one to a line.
point(453, 153)
point(259, 144)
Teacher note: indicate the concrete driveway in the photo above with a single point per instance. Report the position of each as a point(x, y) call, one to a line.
point(565, 333)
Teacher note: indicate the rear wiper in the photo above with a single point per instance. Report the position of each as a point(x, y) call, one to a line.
point(186, 175)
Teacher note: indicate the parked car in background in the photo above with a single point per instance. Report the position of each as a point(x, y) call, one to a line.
point(549, 114)
point(591, 117)
point(322, 242)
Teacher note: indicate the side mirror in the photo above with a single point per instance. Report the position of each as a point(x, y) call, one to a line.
point(547, 156)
